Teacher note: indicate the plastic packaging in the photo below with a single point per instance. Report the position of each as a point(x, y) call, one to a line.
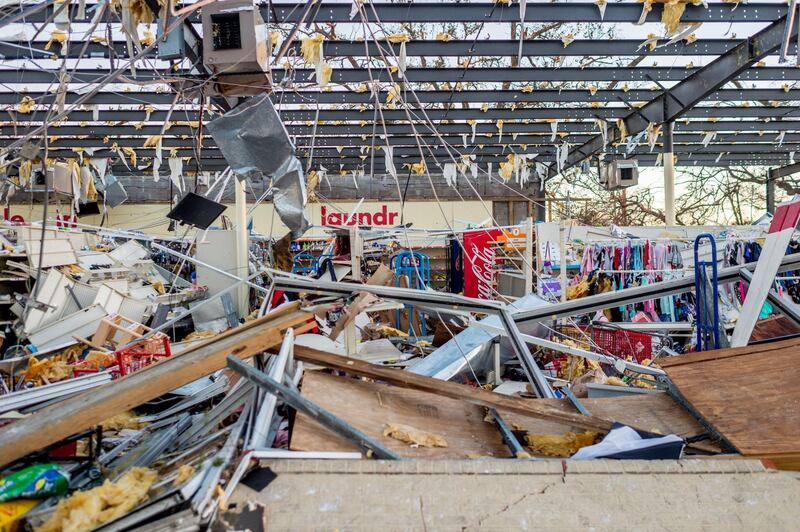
point(35, 482)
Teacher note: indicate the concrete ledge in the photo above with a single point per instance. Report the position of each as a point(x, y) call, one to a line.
point(515, 467)
point(369, 495)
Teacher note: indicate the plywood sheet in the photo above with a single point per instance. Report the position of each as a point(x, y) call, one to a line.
point(774, 327)
point(750, 395)
point(369, 407)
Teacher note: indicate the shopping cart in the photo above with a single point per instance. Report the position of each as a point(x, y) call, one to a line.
point(623, 344)
point(606, 339)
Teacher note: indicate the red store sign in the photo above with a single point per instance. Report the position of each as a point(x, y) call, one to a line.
point(383, 216)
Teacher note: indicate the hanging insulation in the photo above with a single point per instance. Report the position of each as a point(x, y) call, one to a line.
point(324, 73)
point(26, 105)
point(397, 38)
point(57, 36)
point(139, 11)
point(311, 49)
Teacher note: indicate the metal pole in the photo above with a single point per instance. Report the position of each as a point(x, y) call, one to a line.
point(318, 414)
point(535, 376)
point(539, 208)
point(770, 191)
point(266, 411)
point(528, 262)
point(242, 245)
point(669, 177)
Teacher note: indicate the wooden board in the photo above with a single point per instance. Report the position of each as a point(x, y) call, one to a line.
point(750, 394)
point(651, 412)
point(370, 407)
point(774, 327)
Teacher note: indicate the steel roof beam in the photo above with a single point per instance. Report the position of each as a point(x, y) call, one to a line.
point(427, 96)
point(453, 11)
point(679, 100)
point(132, 137)
point(784, 171)
point(427, 75)
point(338, 133)
point(364, 119)
point(408, 145)
point(488, 153)
point(428, 48)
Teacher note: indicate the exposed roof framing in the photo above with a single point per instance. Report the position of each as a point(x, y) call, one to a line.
point(563, 113)
point(679, 100)
point(745, 131)
point(438, 75)
point(752, 108)
point(427, 96)
point(498, 48)
point(333, 165)
point(288, 12)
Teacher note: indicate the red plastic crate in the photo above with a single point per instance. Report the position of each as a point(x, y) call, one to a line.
point(624, 344)
point(143, 354)
point(135, 357)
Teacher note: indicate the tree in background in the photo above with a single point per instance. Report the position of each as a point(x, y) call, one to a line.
point(705, 196)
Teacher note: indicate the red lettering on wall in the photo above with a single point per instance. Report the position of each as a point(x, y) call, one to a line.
point(15, 219)
point(382, 217)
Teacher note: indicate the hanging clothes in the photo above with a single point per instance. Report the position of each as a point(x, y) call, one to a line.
point(620, 264)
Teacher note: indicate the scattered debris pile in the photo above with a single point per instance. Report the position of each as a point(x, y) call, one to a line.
point(125, 407)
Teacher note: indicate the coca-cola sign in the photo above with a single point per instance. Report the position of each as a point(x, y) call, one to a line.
point(479, 263)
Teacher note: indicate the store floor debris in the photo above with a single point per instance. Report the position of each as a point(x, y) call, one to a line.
point(118, 424)
point(406, 266)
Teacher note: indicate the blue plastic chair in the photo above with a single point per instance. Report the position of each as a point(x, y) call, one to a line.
point(416, 267)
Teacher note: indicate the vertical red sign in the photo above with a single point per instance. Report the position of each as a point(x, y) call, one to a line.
point(479, 261)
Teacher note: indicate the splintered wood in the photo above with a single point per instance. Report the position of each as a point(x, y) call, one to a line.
point(475, 396)
point(750, 395)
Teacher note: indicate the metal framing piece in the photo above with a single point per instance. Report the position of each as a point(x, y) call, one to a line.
point(517, 450)
point(276, 370)
point(775, 300)
point(318, 414)
point(575, 401)
point(639, 293)
point(665, 107)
